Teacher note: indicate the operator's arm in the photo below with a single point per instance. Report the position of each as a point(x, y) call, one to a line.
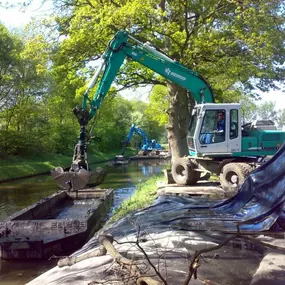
point(221, 126)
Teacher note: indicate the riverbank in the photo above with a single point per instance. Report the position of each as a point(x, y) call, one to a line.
point(146, 240)
point(19, 167)
point(143, 196)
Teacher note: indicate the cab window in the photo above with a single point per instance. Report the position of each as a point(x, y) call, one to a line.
point(234, 124)
point(213, 127)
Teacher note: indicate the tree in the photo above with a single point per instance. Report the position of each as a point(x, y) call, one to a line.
point(112, 122)
point(227, 41)
point(281, 119)
point(35, 116)
point(267, 111)
point(159, 104)
point(10, 47)
point(23, 84)
point(249, 108)
point(146, 121)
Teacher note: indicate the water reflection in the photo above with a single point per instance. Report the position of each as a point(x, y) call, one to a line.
point(19, 194)
point(151, 167)
point(131, 174)
point(148, 170)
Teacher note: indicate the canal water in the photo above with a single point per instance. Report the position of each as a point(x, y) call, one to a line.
point(19, 194)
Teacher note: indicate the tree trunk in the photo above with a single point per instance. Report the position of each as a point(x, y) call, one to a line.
point(180, 106)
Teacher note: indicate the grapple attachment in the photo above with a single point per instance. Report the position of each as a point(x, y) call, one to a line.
point(79, 174)
point(70, 180)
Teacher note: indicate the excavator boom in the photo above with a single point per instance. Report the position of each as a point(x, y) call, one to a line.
point(123, 46)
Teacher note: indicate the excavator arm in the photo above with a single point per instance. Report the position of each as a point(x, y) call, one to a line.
point(123, 46)
point(142, 134)
point(134, 130)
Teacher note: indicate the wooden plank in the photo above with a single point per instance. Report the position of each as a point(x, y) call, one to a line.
point(201, 189)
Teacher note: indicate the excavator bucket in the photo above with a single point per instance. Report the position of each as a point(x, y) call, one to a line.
point(70, 180)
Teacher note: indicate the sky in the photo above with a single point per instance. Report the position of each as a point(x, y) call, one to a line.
point(16, 18)
point(276, 96)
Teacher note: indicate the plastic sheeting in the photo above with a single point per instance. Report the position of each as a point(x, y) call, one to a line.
point(256, 207)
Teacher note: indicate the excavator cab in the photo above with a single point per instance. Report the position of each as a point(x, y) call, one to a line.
point(215, 130)
point(230, 150)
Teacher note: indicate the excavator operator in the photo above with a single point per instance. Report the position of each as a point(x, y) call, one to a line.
point(218, 135)
point(221, 122)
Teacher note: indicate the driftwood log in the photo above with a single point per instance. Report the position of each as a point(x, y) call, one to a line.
point(106, 246)
point(70, 260)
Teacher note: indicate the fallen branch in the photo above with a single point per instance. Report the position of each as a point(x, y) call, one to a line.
point(106, 246)
point(145, 280)
point(107, 243)
point(70, 260)
point(129, 268)
point(145, 255)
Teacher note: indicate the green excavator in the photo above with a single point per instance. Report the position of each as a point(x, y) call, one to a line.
point(231, 152)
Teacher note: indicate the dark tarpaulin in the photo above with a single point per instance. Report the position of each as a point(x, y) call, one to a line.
point(256, 207)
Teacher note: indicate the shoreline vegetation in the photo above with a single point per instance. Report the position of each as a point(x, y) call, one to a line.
point(143, 196)
point(14, 168)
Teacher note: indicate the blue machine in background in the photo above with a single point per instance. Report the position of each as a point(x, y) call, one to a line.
point(146, 146)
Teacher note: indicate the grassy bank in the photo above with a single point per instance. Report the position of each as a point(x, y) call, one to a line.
point(15, 167)
point(143, 196)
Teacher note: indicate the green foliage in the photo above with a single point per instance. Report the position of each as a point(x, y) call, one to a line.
point(269, 111)
point(281, 119)
point(147, 121)
point(15, 167)
point(10, 47)
point(36, 115)
point(112, 123)
point(159, 101)
point(249, 109)
point(231, 43)
point(19, 166)
point(143, 196)
point(264, 111)
point(228, 42)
